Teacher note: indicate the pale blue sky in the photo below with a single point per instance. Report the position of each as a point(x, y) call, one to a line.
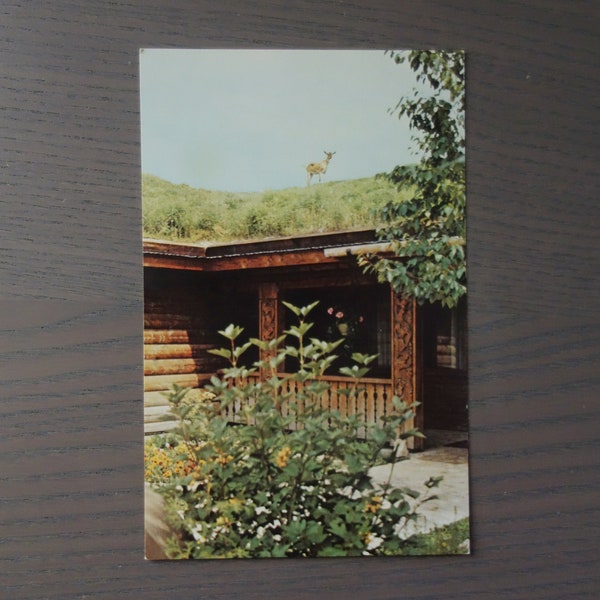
point(250, 120)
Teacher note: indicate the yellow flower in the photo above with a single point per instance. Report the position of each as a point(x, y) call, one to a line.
point(283, 457)
point(223, 521)
point(374, 505)
point(223, 459)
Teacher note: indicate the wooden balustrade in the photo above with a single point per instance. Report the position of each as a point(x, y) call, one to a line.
point(371, 403)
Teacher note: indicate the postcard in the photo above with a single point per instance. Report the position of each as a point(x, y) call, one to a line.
point(305, 296)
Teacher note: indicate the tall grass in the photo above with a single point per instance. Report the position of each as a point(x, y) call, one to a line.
point(179, 212)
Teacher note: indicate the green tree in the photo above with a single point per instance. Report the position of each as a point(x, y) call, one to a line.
point(427, 231)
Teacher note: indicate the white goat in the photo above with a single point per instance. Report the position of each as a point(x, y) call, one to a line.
point(318, 168)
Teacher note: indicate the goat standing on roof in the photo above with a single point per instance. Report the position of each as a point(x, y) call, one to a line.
point(318, 168)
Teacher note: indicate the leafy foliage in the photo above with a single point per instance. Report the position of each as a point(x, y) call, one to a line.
point(427, 232)
point(179, 212)
point(292, 481)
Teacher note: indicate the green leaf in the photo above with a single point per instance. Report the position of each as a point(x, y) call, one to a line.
point(239, 350)
point(221, 352)
point(231, 331)
point(300, 330)
point(306, 309)
point(294, 309)
point(354, 371)
point(338, 527)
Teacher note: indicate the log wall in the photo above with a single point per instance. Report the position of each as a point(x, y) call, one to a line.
point(179, 331)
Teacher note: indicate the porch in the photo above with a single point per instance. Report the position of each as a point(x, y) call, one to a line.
point(371, 404)
point(191, 292)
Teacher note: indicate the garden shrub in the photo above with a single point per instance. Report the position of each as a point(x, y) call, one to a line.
point(292, 480)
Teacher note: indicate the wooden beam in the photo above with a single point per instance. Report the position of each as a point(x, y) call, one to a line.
point(163, 351)
point(173, 248)
point(175, 336)
point(154, 383)
point(233, 263)
point(270, 316)
point(173, 366)
point(404, 364)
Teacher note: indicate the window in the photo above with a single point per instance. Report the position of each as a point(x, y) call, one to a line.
point(445, 336)
point(358, 314)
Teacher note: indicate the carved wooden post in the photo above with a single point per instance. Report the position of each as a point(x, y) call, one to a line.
point(269, 317)
point(404, 358)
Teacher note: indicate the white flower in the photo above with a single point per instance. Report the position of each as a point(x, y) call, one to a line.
point(260, 510)
point(405, 528)
point(193, 486)
point(197, 534)
point(374, 542)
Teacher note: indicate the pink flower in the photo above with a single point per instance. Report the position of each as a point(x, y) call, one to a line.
point(330, 310)
point(339, 314)
point(361, 319)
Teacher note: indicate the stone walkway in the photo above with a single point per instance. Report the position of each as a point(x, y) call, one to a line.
point(451, 463)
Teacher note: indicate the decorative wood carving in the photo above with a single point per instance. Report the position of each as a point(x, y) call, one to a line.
point(268, 307)
point(403, 354)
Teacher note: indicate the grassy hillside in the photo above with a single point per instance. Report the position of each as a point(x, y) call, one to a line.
point(179, 212)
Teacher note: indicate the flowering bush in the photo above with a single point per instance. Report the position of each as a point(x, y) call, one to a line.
point(293, 480)
point(166, 460)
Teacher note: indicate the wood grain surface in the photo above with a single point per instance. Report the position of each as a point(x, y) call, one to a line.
point(71, 496)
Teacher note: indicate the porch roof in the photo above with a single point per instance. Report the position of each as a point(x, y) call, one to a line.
point(267, 253)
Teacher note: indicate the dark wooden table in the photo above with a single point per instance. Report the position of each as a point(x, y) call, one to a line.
point(71, 295)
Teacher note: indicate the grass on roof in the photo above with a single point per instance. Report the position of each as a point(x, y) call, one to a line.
point(180, 212)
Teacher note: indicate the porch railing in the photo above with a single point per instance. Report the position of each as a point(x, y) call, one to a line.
point(372, 402)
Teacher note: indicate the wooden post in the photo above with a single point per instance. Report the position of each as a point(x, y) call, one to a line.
point(269, 314)
point(404, 358)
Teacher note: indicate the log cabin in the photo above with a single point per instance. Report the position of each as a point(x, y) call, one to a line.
point(193, 290)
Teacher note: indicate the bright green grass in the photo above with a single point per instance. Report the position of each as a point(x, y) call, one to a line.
point(179, 212)
point(443, 540)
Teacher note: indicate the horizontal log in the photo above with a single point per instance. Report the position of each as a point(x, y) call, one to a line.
point(175, 304)
point(171, 336)
point(176, 321)
point(163, 351)
point(160, 399)
point(157, 413)
point(172, 366)
point(159, 427)
point(154, 383)
point(155, 399)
